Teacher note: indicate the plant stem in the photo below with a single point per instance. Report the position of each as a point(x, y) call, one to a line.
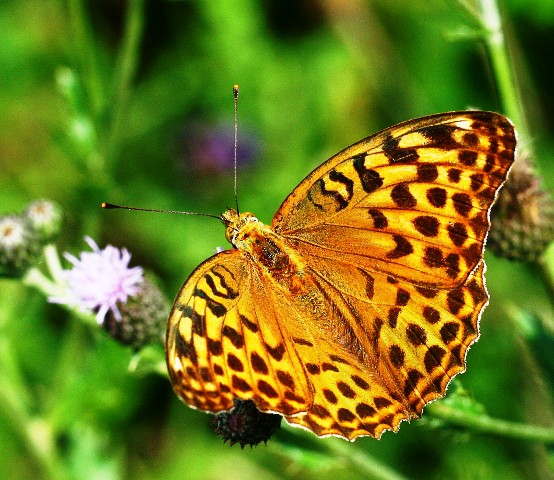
point(492, 426)
point(345, 452)
point(126, 69)
point(84, 48)
point(363, 461)
point(36, 279)
point(489, 17)
point(35, 432)
point(53, 263)
point(546, 269)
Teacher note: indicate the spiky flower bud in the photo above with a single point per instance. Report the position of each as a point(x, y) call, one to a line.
point(523, 216)
point(46, 218)
point(246, 425)
point(19, 245)
point(143, 317)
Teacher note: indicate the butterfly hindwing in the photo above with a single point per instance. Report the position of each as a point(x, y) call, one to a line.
point(414, 342)
point(225, 341)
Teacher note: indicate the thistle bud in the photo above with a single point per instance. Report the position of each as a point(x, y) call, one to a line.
point(19, 245)
point(143, 317)
point(523, 216)
point(46, 218)
point(246, 425)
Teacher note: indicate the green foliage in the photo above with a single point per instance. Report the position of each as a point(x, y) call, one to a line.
point(98, 100)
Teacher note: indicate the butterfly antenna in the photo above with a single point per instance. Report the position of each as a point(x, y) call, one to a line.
point(125, 207)
point(236, 101)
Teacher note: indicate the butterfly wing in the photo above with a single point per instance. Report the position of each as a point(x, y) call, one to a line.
point(392, 231)
point(412, 200)
point(390, 358)
point(226, 340)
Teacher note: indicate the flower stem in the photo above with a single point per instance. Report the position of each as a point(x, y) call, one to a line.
point(345, 452)
point(35, 432)
point(363, 461)
point(492, 426)
point(546, 269)
point(127, 65)
point(36, 279)
point(85, 50)
point(53, 263)
point(489, 17)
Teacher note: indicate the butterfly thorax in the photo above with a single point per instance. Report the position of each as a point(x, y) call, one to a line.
point(267, 249)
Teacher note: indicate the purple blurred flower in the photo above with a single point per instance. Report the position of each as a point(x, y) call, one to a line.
point(99, 280)
point(210, 148)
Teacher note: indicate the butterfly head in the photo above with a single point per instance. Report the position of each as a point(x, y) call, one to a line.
point(235, 222)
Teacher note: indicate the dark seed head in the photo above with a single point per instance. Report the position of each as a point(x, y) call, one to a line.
point(245, 424)
point(143, 318)
point(523, 216)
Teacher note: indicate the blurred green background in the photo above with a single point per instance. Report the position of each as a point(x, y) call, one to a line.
point(131, 102)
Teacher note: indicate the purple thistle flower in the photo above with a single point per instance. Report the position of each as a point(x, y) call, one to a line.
point(99, 280)
point(210, 148)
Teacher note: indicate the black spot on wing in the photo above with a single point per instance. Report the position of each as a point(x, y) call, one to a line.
point(235, 337)
point(370, 179)
point(347, 182)
point(397, 154)
point(378, 217)
point(215, 307)
point(427, 172)
point(403, 247)
point(402, 196)
point(333, 194)
point(440, 136)
point(230, 293)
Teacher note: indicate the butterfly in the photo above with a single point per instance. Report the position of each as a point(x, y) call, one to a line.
point(357, 306)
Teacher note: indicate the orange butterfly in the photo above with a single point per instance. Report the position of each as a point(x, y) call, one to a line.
point(357, 306)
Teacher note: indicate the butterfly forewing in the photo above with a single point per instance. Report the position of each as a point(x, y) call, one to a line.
point(359, 306)
point(412, 201)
